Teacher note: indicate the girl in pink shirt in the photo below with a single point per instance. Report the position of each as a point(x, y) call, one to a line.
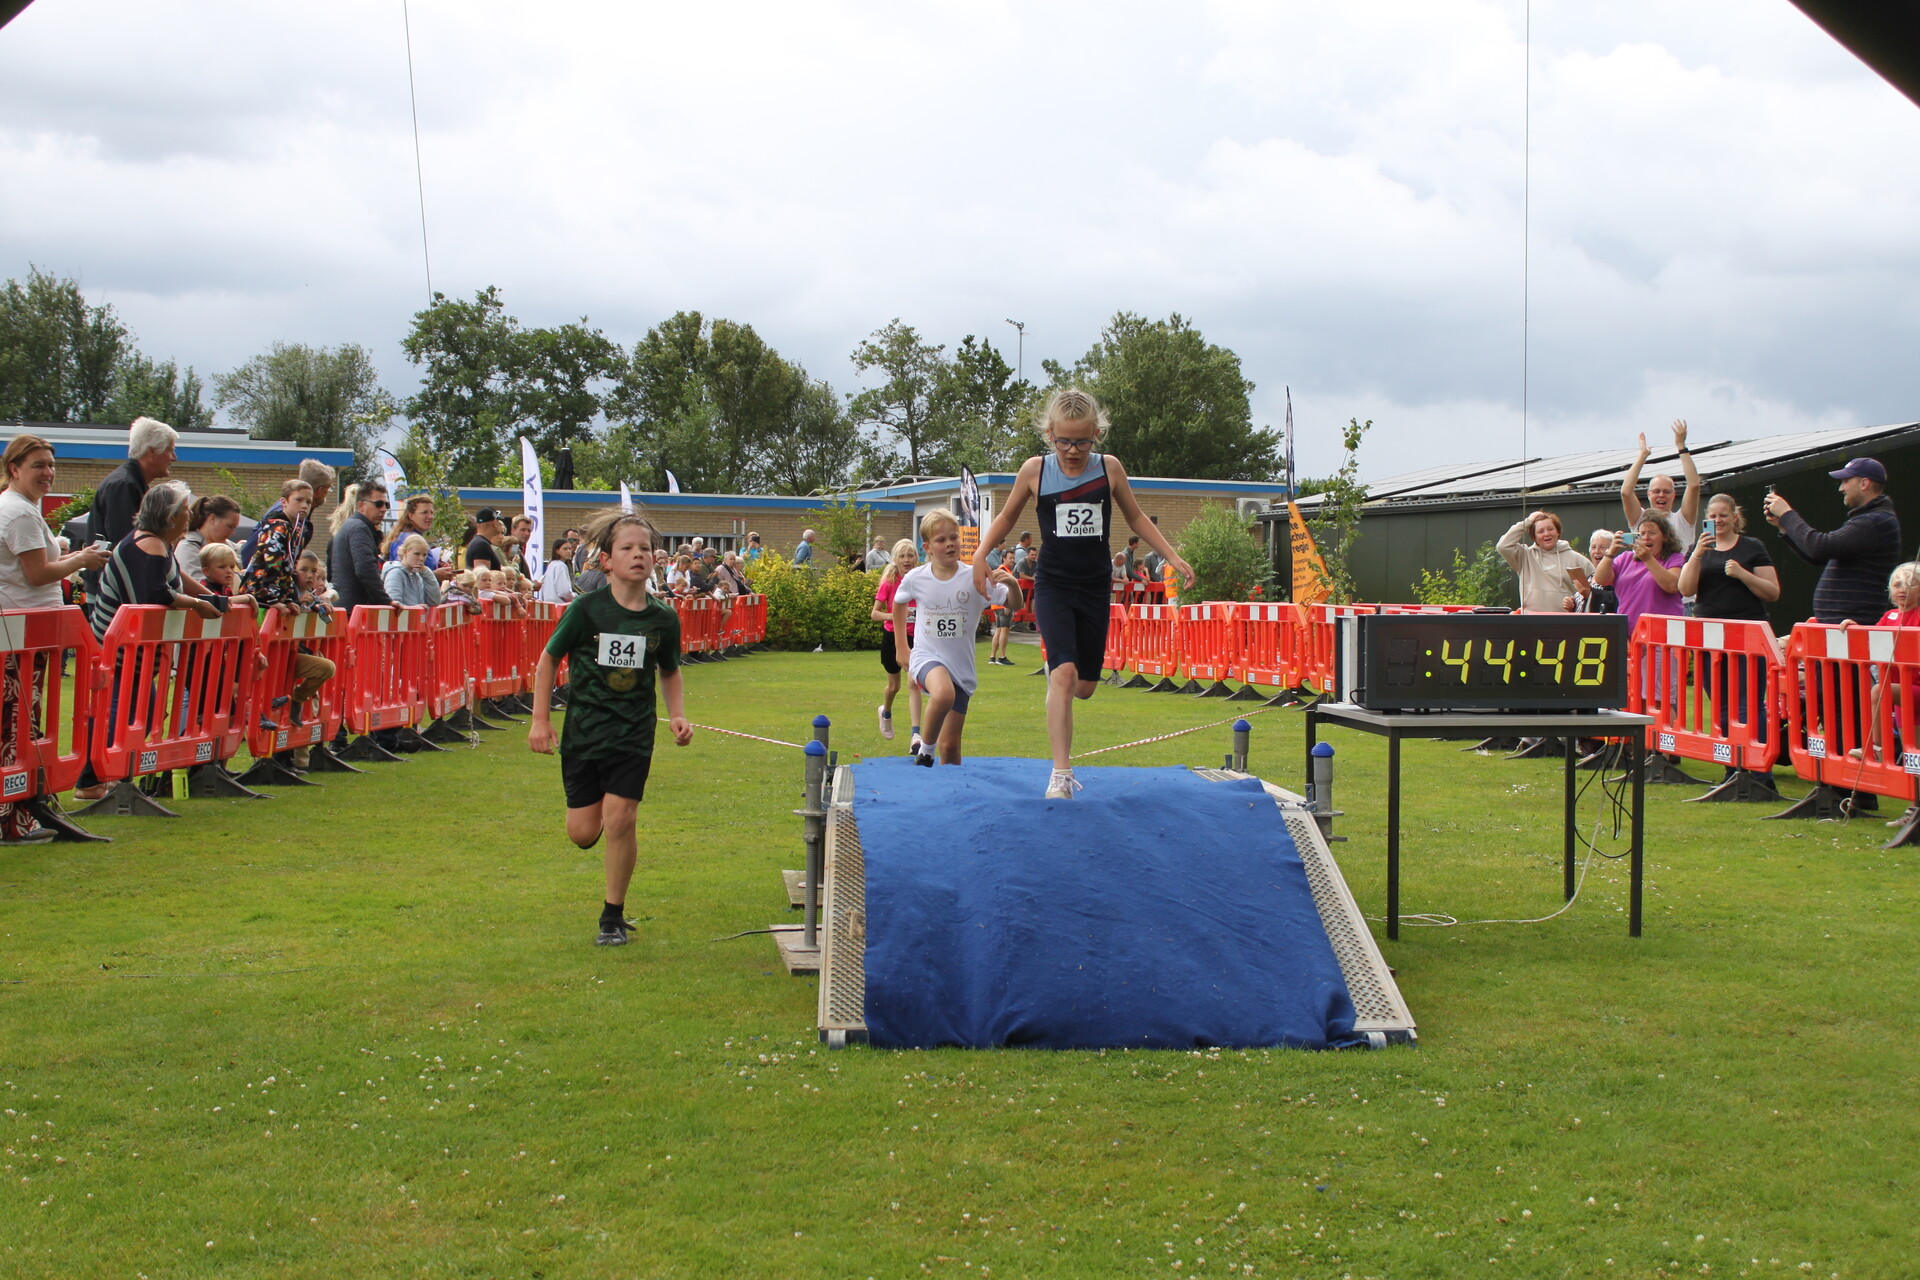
point(905, 557)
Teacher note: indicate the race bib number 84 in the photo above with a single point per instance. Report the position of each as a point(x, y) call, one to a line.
point(616, 650)
point(1078, 520)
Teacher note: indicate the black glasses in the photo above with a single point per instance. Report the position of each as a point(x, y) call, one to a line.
point(1073, 446)
point(382, 505)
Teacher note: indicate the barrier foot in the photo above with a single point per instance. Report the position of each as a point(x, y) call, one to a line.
point(1284, 698)
point(493, 708)
point(1218, 689)
point(1826, 803)
point(1138, 682)
point(442, 730)
point(1166, 685)
point(364, 748)
point(125, 800)
point(1190, 688)
point(1502, 745)
point(465, 719)
point(1662, 772)
point(1742, 784)
point(212, 782)
point(1246, 693)
point(320, 759)
point(411, 739)
point(1909, 832)
point(49, 814)
point(268, 771)
point(1539, 749)
point(1040, 670)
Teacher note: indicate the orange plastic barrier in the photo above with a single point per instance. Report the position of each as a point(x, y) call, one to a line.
point(1153, 639)
point(699, 625)
point(499, 650)
point(279, 638)
point(1115, 657)
point(451, 647)
point(542, 617)
point(1274, 640)
point(34, 642)
point(1212, 643)
point(1317, 650)
point(390, 647)
point(1841, 710)
point(171, 690)
point(754, 626)
point(1712, 687)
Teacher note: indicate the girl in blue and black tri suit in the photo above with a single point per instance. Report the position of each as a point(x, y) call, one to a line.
point(1075, 490)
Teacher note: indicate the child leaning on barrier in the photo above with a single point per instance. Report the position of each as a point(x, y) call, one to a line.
point(1903, 592)
point(617, 640)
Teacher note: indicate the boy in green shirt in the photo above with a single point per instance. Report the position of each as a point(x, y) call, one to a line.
point(614, 639)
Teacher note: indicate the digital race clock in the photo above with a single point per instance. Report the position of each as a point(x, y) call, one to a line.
point(1484, 662)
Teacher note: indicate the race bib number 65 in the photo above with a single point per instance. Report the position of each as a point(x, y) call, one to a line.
point(1078, 520)
point(617, 650)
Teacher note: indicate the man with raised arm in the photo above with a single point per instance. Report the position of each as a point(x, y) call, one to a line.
point(1660, 489)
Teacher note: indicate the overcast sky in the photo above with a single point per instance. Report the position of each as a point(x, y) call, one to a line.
point(1723, 200)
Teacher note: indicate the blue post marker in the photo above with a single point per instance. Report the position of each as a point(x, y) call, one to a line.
point(821, 729)
point(1242, 739)
point(1321, 799)
point(814, 816)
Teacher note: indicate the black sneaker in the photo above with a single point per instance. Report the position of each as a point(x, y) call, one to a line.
point(613, 933)
point(925, 758)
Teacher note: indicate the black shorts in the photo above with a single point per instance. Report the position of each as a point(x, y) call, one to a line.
point(590, 780)
point(1072, 619)
point(889, 660)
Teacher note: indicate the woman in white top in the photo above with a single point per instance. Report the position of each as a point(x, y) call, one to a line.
point(556, 580)
point(214, 519)
point(30, 572)
point(1550, 569)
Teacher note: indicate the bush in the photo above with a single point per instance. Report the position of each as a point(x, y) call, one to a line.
point(1483, 580)
point(1228, 563)
point(819, 605)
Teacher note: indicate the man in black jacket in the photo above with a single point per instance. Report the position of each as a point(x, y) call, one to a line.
point(1859, 556)
point(150, 456)
point(354, 556)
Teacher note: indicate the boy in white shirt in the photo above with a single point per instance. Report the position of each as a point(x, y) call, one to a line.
point(940, 659)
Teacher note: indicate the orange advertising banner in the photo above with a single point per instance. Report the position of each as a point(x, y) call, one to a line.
point(969, 541)
point(1309, 570)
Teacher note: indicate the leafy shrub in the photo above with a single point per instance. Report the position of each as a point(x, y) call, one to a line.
point(1482, 580)
point(1228, 561)
point(72, 509)
point(809, 606)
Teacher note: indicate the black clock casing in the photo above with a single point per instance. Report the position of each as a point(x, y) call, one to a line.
point(1483, 662)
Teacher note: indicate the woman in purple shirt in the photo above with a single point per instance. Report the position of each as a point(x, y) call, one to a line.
point(1646, 578)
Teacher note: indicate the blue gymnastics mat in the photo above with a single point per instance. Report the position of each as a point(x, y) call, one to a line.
point(1157, 909)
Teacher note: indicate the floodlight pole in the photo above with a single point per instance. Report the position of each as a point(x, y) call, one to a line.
point(1020, 350)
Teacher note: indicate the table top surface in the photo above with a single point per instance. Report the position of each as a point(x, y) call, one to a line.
point(1594, 724)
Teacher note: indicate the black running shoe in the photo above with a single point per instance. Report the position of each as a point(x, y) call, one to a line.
point(612, 934)
point(925, 758)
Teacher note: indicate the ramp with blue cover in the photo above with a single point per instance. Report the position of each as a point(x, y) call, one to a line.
point(1159, 908)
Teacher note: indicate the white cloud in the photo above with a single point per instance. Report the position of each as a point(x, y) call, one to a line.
point(1719, 213)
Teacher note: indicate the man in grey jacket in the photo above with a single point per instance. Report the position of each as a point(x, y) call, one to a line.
point(354, 557)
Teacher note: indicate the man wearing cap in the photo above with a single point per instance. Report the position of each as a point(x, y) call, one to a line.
point(489, 529)
point(1858, 556)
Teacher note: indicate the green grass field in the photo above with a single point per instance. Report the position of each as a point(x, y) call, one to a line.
point(362, 1031)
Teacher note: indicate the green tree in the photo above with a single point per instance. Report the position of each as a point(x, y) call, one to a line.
point(1228, 561)
point(820, 451)
point(321, 397)
point(558, 379)
point(427, 473)
point(466, 406)
point(1336, 526)
point(143, 387)
point(712, 402)
point(984, 409)
point(905, 407)
point(1178, 402)
point(58, 356)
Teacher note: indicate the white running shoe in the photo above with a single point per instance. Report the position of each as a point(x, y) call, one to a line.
point(886, 725)
point(915, 747)
point(1061, 785)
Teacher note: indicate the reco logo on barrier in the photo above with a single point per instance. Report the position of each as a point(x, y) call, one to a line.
point(149, 761)
point(16, 784)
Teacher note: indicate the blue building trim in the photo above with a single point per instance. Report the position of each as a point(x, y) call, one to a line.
point(593, 498)
point(1005, 479)
point(339, 458)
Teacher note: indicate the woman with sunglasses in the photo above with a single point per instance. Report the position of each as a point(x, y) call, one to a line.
point(1075, 490)
point(353, 558)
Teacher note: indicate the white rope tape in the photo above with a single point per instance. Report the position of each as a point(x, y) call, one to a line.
point(753, 736)
point(1179, 733)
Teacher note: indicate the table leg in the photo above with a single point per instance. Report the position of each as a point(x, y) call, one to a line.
point(1566, 853)
point(1636, 759)
point(1393, 833)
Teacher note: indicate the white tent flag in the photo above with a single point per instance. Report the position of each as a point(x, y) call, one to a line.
point(1289, 442)
point(392, 471)
point(530, 504)
point(673, 484)
point(626, 498)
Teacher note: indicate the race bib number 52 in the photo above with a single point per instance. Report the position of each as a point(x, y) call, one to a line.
point(1078, 520)
point(616, 650)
